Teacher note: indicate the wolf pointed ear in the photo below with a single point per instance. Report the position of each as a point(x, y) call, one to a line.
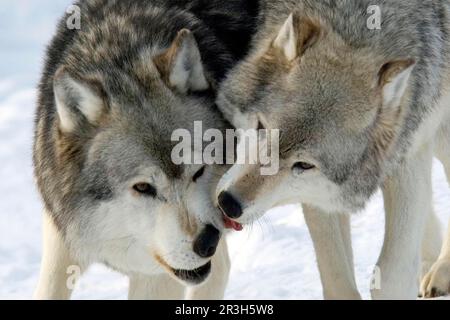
point(181, 65)
point(296, 35)
point(393, 79)
point(76, 101)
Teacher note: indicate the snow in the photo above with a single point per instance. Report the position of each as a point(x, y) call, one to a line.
point(273, 259)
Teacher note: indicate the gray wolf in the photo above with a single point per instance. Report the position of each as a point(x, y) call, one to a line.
point(110, 96)
point(358, 110)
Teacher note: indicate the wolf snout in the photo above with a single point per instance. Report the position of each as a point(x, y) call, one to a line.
point(206, 243)
point(230, 206)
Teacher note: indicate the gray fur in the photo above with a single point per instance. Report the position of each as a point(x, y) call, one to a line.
point(322, 107)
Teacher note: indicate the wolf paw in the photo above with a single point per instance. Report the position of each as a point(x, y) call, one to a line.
point(437, 282)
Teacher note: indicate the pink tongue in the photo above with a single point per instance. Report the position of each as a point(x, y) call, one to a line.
point(230, 224)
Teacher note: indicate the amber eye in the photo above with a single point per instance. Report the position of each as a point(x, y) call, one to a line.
point(145, 189)
point(198, 174)
point(300, 167)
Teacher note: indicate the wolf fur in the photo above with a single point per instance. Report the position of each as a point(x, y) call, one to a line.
point(358, 110)
point(110, 97)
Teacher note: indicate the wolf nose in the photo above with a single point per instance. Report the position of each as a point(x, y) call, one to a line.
point(206, 243)
point(229, 205)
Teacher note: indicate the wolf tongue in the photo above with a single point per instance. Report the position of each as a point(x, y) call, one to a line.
point(230, 224)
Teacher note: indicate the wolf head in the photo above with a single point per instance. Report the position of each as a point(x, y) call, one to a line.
point(338, 109)
point(130, 206)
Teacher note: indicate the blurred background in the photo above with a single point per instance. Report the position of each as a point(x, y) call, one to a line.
point(272, 259)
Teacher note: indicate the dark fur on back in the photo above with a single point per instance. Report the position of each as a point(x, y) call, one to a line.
point(107, 46)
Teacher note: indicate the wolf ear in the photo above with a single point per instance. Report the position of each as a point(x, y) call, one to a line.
point(295, 36)
point(181, 65)
point(393, 79)
point(75, 100)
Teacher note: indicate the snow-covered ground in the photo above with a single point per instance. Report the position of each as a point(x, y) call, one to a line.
point(272, 260)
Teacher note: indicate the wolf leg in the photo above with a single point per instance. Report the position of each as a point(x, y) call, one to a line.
point(332, 241)
point(437, 281)
point(56, 278)
point(407, 199)
point(158, 287)
point(214, 287)
point(431, 243)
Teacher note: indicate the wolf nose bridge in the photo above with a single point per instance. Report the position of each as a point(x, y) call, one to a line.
point(229, 205)
point(206, 243)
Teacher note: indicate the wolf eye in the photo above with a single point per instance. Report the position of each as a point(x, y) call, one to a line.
point(145, 189)
point(300, 167)
point(198, 174)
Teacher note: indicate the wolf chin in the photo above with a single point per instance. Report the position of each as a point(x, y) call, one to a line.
point(110, 97)
point(358, 110)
